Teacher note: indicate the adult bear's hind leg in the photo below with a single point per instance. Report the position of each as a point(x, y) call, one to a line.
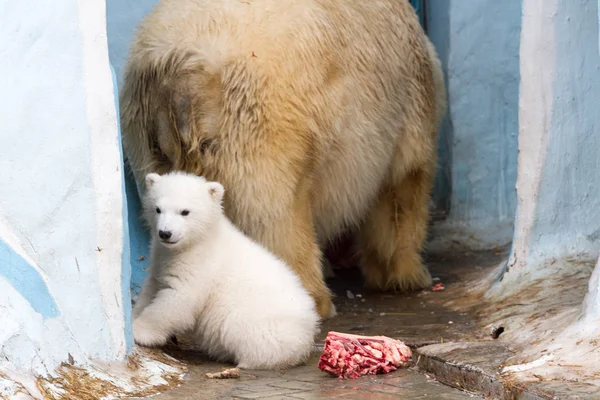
point(393, 235)
point(394, 232)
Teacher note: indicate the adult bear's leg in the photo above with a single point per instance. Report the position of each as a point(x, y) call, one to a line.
point(394, 232)
point(393, 235)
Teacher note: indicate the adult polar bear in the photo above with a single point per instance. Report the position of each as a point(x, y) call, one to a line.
point(317, 116)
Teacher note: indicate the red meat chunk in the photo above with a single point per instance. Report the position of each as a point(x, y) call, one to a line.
point(350, 356)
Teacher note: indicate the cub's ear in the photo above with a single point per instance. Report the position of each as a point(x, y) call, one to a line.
point(151, 179)
point(216, 191)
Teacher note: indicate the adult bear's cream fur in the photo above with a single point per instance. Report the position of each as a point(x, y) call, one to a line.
point(316, 115)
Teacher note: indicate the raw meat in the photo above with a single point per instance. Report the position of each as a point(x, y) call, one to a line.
point(438, 287)
point(351, 356)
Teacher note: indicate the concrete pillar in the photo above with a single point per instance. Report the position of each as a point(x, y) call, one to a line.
point(64, 262)
point(478, 43)
point(558, 182)
point(591, 304)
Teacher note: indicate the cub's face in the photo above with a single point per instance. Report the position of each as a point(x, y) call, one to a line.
point(181, 208)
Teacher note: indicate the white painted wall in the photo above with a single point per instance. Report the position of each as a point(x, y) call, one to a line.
point(591, 303)
point(558, 183)
point(61, 206)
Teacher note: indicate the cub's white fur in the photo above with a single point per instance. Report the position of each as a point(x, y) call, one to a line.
point(244, 304)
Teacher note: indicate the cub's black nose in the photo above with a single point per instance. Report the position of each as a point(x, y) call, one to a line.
point(164, 235)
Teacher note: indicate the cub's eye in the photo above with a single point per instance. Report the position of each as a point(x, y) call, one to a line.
point(185, 212)
point(157, 210)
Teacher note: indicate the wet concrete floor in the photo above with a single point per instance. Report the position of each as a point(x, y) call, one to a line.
point(417, 319)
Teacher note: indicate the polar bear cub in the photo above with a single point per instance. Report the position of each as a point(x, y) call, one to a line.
point(242, 303)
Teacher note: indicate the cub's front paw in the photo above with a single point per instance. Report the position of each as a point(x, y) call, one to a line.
point(146, 335)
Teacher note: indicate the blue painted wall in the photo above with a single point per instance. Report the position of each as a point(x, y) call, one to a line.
point(139, 236)
point(419, 6)
point(27, 280)
point(438, 29)
point(122, 19)
point(478, 43)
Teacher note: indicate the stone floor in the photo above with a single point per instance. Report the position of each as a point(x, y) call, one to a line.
point(307, 382)
point(455, 348)
point(418, 319)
